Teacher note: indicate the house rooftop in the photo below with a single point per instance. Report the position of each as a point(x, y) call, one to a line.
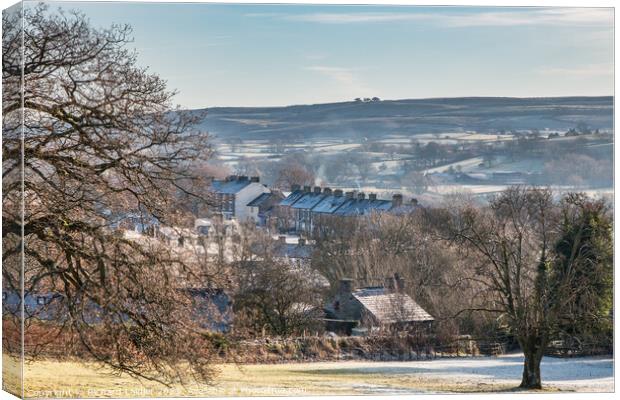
point(308, 201)
point(363, 207)
point(292, 197)
point(291, 250)
point(390, 307)
point(333, 202)
point(228, 186)
point(329, 204)
point(260, 200)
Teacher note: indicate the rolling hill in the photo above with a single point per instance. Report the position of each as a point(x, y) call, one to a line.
point(403, 117)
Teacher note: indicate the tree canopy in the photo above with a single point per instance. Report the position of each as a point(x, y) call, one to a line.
point(99, 141)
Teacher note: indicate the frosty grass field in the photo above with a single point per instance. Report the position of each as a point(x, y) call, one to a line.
point(451, 375)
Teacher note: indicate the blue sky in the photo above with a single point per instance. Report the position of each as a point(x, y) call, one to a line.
point(261, 55)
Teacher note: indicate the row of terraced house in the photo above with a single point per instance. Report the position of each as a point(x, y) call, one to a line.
point(247, 199)
point(304, 208)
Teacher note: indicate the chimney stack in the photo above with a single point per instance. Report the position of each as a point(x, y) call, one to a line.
point(414, 202)
point(361, 196)
point(254, 179)
point(317, 190)
point(346, 286)
point(390, 283)
point(282, 239)
point(327, 191)
point(400, 282)
point(338, 193)
point(242, 178)
point(350, 195)
point(301, 242)
point(307, 189)
point(295, 187)
point(397, 200)
point(372, 196)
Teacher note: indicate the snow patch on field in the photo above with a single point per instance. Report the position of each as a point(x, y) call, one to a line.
point(583, 374)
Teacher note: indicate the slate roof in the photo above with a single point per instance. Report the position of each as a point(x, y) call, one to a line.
point(291, 250)
point(308, 201)
point(388, 307)
point(340, 205)
point(292, 198)
point(329, 204)
point(260, 200)
point(363, 207)
point(228, 187)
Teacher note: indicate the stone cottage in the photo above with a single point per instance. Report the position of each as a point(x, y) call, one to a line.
point(375, 308)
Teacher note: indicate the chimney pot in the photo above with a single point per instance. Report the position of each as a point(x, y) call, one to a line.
point(301, 242)
point(307, 189)
point(282, 239)
point(346, 286)
point(361, 196)
point(317, 189)
point(397, 200)
point(350, 195)
point(390, 283)
point(414, 202)
point(372, 196)
point(338, 193)
point(327, 190)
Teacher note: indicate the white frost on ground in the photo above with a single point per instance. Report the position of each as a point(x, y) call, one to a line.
point(582, 374)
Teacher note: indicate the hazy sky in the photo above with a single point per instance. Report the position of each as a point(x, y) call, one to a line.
point(249, 55)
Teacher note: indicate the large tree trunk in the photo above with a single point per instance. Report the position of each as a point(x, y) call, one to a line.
point(531, 371)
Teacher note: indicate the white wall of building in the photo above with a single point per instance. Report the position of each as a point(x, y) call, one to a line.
point(246, 195)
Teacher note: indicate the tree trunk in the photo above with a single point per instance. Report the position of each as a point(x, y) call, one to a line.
point(531, 369)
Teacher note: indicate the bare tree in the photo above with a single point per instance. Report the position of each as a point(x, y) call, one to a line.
point(274, 295)
point(524, 278)
point(100, 138)
point(293, 173)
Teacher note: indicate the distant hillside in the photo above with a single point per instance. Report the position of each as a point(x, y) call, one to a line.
point(375, 119)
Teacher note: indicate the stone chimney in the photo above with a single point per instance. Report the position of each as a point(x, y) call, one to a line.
point(282, 239)
point(301, 242)
point(338, 193)
point(361, 196)
point(397, 200)
point(295, 187)
point(317, 190)
point(307, 189)
point(254, 179)
point(327, 191)
point(372, 196)
point(400, 282)
point(345, 286)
